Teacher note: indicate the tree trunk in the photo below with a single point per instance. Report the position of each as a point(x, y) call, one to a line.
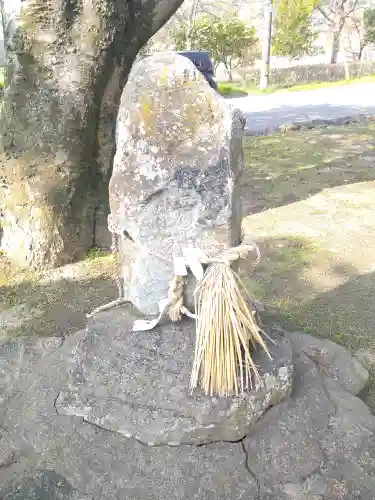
point(228, 68)
point(360, 53)
point(60, 56)
point(335, 46)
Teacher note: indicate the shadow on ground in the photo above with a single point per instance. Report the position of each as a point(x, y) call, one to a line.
point(344, 314)
point(285, 168)
point(233, 93)
point(58, 305)
point(270, 119)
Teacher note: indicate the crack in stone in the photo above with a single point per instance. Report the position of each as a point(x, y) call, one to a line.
point(247, 467)
point(55, 402)
point(322, 370)
point(103, 429)
point(131, 436)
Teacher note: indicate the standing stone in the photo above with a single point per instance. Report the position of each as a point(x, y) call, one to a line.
point(60, 56)
point(175, 175)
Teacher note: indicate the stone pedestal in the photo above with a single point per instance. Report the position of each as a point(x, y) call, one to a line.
point(315, 444)
point(137, 384)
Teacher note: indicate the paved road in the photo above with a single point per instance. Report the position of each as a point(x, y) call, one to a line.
point(265, 113)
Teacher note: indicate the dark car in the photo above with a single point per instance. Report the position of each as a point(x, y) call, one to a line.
point(202, 61)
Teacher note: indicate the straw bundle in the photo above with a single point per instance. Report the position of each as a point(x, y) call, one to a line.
point(225, 332)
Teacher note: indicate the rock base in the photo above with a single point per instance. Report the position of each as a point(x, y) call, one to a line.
point(317, 444)
point(137, 384)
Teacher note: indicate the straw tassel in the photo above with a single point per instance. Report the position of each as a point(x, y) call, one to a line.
point(225, 331)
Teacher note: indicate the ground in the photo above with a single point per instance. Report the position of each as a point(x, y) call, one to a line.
point(237, 89)
point(54, 302)
point(309, 201)
point(266, 113)
point(309, 198)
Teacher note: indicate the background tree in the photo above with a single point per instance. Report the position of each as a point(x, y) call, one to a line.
point(368, 30)
point(191, 11)
point(60, 57)
point(228, 41)
point(336, 13)
point(293, 33)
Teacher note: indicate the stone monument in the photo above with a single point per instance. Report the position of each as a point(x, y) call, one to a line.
point(174, 185)
point(175, 174)
point(107, 412)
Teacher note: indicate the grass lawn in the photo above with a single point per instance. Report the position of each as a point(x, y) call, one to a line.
point(236, 89)
point(309, 201)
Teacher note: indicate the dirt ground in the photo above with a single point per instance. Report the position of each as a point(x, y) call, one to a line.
point(54, 302)
point(309, 201)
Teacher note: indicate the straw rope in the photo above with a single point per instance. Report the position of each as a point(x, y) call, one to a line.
point(226, 325)
point(176, 290)
point(176, 308)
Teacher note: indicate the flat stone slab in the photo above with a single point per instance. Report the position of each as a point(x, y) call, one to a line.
point(42, 485)
point(137, 384)
point(18, 356)
point(44, 456)
point(318, 444)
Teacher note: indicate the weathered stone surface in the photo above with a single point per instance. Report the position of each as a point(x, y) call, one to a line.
point(112, 467)
point(138, 385)
point(42, 485)
point(59, 58)
point(17, 356)
point(50, 455)
point(319, 445)
point(285, 449)
point(31, 375)
point(338, 364)
point(178, 158)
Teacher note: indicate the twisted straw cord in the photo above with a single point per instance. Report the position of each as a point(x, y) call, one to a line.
point(176, 306)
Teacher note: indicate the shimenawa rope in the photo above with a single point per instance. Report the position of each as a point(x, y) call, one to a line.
point(194, 258)
point(225, 325)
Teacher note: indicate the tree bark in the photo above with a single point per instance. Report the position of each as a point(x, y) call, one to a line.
point(335, 46)
point(60, 56)
point(360, 53)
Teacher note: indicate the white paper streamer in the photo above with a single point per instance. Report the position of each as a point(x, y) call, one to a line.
point(191, 258)
point(143, 325)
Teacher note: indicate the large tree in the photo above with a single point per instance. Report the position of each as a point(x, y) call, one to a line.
point(293, 32)
point(60, 57)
